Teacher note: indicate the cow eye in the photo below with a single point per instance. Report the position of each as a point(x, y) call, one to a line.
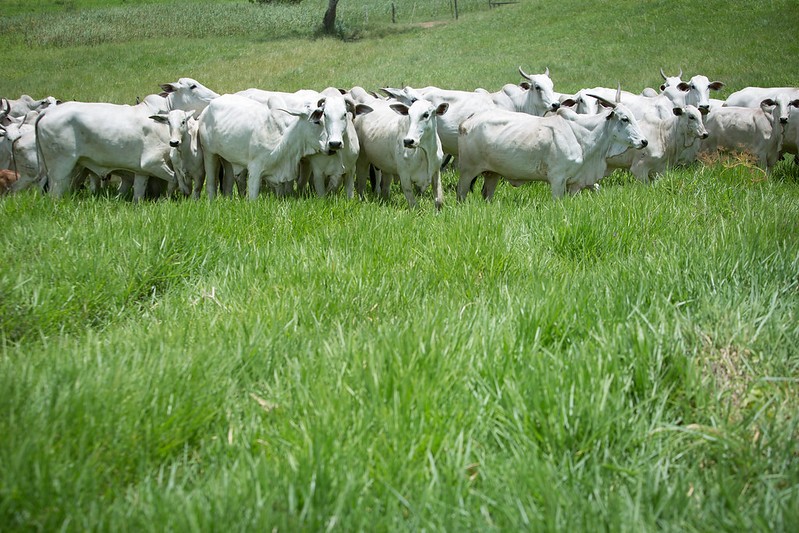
point(537, 87)
point(426, 116)
point(193, 87)
point(625, 119)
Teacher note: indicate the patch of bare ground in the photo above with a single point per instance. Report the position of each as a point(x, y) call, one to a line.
point(431, 23)
point(729, 369)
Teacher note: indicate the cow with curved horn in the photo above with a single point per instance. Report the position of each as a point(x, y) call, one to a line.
point(670, 81)
point(535, 96)
point(567, 150)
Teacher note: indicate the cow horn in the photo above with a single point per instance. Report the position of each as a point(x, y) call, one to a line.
point(618, 93)
point(663, 74)
point(546, 73)
point(5, 108)
point(607, 103)
point(525, 76)
point(680, 74)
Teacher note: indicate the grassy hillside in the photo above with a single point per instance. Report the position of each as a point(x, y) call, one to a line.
point(622, 361)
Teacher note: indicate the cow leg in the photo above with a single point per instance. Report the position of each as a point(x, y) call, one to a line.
point(438, 190)
point(558, 186)
point(385, 186)
point(348, 184)
point(490, 181)
point(407, 188)
point(253, 181)
point(319, 184)
point(139, 187)
point(361, 175)
point(212, 165)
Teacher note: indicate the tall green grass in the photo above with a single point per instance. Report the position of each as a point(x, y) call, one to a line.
point(625, 360)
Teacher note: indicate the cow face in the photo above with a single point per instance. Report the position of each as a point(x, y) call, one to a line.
point(187, 94)
point(178, 122)
point(625, 128)
point(338, 115)
point(422, 123)
point(698, 91)
point(670, 81)
point(540, 91)
point(690, 123)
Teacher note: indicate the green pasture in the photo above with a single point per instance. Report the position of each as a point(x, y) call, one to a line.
point(620, 361)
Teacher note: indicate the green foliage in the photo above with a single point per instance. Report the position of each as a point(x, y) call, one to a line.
point(624, 360)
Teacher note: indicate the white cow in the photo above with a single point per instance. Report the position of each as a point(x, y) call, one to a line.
point(326, 170)
point(535, 96)
point(402, 140)
point(697, 91)
point(76, 136)
point(254, 136)
point(18, 151)
point(784, 98)
point(20, 107)
point(672, 141)
point(567, 150)
point(461, 105)
point(101, 138)
point(184, 150)
point(187, 94)
point(742, 129)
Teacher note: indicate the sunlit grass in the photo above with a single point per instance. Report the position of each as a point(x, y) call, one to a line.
point(625, 360)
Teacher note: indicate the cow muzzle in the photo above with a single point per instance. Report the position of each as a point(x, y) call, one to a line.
point(174, 144)
point(409, 143)
point(783, 120)
point(334, 146)
point(704, 135)
point(643, 143)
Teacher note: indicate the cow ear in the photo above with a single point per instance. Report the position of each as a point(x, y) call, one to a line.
point(704, 111)
point(161, 119)
point(441, 109)
point(321, 103)
point(524, 85)
point(610, 115)
point(316, 116)
point(362, 109)
point(684, 86)
point(401, 109)
point(794, 103)
point(716, 86)
point(168, 87)
point(768, 102)
point(677, 111)
point(568, 102)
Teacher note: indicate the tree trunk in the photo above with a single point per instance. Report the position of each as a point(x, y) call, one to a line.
point(329, 22)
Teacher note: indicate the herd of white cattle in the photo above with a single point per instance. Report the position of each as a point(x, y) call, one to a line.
point(190, 136)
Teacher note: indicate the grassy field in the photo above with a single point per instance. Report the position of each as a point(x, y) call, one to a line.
point(622, 361)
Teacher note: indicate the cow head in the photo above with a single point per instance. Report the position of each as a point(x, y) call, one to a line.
point(670, 81)
point(626, 130)
point(582, 103)
point(782, 106)
point(690, 122)
point(187, 94)
point(422, 123)
point(698, 91)
point(540, 91)
point(178, 122)
point(336, 120)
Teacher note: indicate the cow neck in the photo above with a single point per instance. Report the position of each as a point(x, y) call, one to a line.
point(594, 135)
point(292, 146)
